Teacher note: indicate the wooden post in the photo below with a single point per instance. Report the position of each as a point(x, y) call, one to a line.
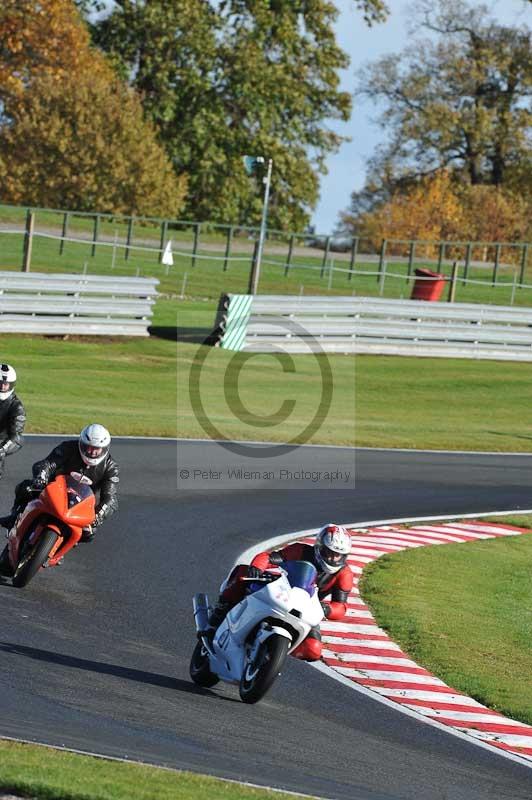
point(467, 262)
point(95, 234)
point(129, 237)
point(164, 229)
point(28, 240)
point(354, 250)
point(197, 227)
point(382, 277)
point(382, 266)
point(63, 233)
point(228, 243)
point(452, 285)
point(325, 255)
point(289, 256)
point(411, 256)
point(524, 258)
point(496, 264)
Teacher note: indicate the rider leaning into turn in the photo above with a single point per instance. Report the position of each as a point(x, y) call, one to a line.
point(335, 580)
point(88, 455)
point(12, 415)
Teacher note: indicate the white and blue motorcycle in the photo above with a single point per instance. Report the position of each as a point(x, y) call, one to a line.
point(251, 645)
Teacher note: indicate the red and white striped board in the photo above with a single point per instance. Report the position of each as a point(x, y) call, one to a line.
point(364, 653)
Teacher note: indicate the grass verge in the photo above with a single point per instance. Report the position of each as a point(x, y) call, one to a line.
point(51, 774)
point(129, 385)
point(256, 396)
point(377, 401)
point(465, 613)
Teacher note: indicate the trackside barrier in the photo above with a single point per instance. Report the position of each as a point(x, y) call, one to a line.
point(266, 323)
point(76, 304)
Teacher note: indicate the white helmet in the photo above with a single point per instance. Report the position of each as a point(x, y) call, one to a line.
point(8, 379)
point(332, 546)
point(94, 441)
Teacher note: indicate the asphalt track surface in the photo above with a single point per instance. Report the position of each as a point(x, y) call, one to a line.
point(94, 654)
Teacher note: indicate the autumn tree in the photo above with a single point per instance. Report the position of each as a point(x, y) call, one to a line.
point(234, 77)
point(83, 143)
point(71, 133)
point(459, 99)
point(38, 39)
point(438, 208)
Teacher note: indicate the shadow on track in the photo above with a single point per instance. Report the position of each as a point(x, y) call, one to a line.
point(138, 675)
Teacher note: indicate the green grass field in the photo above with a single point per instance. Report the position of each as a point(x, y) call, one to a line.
point(464, 613)
point(47, 774)
point(394, 402)
point(376, 401)
point(129, 385)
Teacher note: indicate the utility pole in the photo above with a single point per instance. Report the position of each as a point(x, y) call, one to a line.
point(255, 269)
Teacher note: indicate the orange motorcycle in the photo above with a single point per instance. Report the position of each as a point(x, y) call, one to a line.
point(50, 526)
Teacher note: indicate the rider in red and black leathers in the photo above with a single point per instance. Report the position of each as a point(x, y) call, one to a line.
point(333, 590)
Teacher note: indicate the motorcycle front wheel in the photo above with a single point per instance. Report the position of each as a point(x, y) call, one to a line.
point(33, 560)
point(263, 670)
point(199, 667)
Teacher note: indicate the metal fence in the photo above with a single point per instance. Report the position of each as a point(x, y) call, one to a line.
point(263, 323)
point(75, 304)
point(209, 258)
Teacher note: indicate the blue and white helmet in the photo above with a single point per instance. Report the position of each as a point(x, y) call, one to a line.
point(332, 546)
point(8, 379)
point(94, 442)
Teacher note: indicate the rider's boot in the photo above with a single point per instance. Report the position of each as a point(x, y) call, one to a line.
point(9, 520)
point(5, 566)
point(217, 616)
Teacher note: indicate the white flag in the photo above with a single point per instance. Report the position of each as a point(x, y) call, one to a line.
point(167, 255)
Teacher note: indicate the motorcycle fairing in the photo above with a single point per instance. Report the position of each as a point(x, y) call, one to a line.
point(258, 611)
point(63, 503)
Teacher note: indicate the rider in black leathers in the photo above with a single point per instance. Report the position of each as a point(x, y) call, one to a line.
point(12, 415)
point(63, 459)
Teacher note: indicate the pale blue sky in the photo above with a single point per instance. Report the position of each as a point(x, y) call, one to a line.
point(347, 167)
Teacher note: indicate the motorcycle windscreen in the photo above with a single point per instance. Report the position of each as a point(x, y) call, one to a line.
point(76, 491)
point(301, 575)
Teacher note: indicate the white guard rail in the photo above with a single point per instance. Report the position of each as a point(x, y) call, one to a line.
point(61, 304)
point(266, 323)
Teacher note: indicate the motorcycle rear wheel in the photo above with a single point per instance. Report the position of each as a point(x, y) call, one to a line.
point(199, 667)
point(259, 676)
point(33, 561)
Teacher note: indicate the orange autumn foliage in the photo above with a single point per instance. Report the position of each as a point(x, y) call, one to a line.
point(441, 208)
point(40, 39)
point(72, 135)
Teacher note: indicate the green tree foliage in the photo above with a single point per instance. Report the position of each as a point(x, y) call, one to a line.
point(460, 98)
point(227, 78)
point(72, 134)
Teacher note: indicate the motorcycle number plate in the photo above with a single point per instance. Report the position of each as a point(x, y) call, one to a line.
point(282, 595)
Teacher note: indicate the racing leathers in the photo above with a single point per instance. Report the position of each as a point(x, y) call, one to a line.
point(12, 421)
point(333, 591)
point(66, 458)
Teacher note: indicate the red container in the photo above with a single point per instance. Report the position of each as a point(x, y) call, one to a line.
point(430, 287)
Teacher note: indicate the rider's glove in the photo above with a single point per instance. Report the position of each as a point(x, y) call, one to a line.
point(98, 519)
point(87, 534)
point(326, 608)
point(254, 572)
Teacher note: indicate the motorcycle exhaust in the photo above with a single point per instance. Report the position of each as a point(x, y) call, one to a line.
point(200, 603)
